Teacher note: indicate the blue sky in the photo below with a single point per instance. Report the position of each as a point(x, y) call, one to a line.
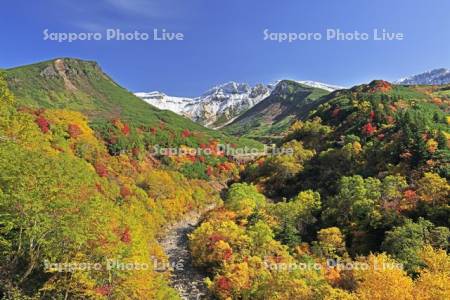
point(224, 40)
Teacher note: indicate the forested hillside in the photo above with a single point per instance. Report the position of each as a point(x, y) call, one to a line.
point(358, 210)
point(68, 202)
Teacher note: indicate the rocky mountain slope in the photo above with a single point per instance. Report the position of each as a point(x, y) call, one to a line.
point(216, 107)
point(222, 104)
point(289, 100)
point(433, 77)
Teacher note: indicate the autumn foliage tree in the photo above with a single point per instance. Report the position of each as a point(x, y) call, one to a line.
point(59, 201)
point(383, 279)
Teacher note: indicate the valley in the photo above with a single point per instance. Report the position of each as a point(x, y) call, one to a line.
point(187, 280)
point(355, 175)
point(224, 150)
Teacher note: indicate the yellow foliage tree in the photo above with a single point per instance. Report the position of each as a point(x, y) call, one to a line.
point(434, 280)
point(384, 279)
point(433, 188)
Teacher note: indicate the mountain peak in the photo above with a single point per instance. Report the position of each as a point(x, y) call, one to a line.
point(314, 84)
point(224, 102)
point(434, 77)
point(321, 85)
point(283, 86)
point(230, 87)
point(215, 108)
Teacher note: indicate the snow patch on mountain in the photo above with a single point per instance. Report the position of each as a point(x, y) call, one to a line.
point(315, 84)
point(216, 107)
point(162, 101)
point(433, 77)
point(221, 104)
point(320, 85)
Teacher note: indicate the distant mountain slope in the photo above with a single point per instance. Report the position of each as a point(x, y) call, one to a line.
point(165, 102)
point(273, 115)
point(222, 104)
point(321, 85)
point(214, 108)
point(433, 77)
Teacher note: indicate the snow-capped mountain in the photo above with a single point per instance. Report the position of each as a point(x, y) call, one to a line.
point(162, 101)
point(433, 77)
point(223, 103)
point(315, 84)
point(215, 108)
point(320, 85)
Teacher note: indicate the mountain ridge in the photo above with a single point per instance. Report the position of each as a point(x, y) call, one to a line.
point(288, 101)
point(215, 107)
point(222, 104)
point(438, 76)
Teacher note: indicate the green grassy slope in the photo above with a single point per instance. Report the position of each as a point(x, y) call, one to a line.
point(82, 85)
point(290, 100)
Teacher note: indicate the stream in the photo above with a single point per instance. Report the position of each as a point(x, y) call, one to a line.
point(186, 279)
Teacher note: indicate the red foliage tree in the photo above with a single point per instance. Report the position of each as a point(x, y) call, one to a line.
point(126, 236)
point(43, 124)
point(213, 239)
point(380, 86)
point(224, 167)
point(209, 171)
point(406, 155)
point(74, 130)
point(410, 195)
point(126, 129)
point(101, 170)
point(224, 283)
point(104, 290)
point(228, 254)
point(335, 112)
point(368, 129)
point(186, 133)
point(125, 192)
